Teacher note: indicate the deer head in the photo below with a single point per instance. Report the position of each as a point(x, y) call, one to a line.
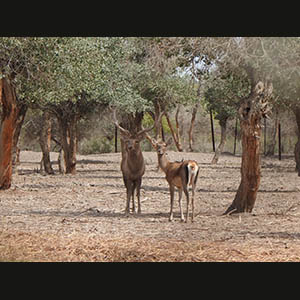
point(161, 146)
point(131, 140)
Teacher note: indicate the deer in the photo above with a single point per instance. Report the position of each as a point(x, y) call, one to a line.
point(178, 174)
point(132, 163)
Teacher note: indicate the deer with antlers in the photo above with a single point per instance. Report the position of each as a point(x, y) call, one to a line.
point(178, 174)
point(132, 163)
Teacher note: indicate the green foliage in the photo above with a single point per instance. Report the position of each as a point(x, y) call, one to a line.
point(154, 75)
point(223, 94)
point(74, 75)
point(50, 71)
point(96, 145)
point(148, 122)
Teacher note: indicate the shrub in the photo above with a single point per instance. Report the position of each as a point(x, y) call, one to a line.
point(96, 145)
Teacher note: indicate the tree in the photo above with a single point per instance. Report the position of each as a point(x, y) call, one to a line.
point(45, 142)
point(250, 113)
point(222, 95)
point(157, 80)
point(258, 58)
point(250, 58)
point(17, 64)
point(67, 76)
point(9, 116)
point(81, 74)
point(285, 55)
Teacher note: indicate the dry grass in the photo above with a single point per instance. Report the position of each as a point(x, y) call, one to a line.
point(47, 248)
point(80, 218)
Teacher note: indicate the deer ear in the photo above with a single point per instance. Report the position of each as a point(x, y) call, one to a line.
point(154, 142)
point(123, 136)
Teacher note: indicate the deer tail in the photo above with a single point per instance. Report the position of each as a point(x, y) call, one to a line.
point(192, 172)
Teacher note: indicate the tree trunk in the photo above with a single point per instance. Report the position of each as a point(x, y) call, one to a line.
point(212, 130)
point(235, 135)
point(68, 133)
point(271, 146)
point(45, 143)
point(178, 137)
point(250, 170)
point(191, 129)
point(297, 146)
point(250, 113)
point(159, 131)
point(7, 130)
point(175, 138)
point(220, 148)
point(61, 162)
point(21, 110)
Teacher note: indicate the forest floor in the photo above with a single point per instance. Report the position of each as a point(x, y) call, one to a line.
point(81, 217)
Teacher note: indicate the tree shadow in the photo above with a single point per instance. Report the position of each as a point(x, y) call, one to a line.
point(95, 213)
point(273, 235)
point(96, 162)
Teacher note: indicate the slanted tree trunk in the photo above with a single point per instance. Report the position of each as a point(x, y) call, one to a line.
point(159, 132)
point(192, 125)
point(159, 129)
point(297, 146)
point(20, 116)
point(45, 143)
point(7, 130)
point(177, 132)
point(219, 150)
point(68, 138)
point(174, 135)
point(250, 113)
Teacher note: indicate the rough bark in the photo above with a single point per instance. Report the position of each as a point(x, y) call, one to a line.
point(250, 113)
point(175, 137)
point(45, 143)
point(7, 130)
point(297, 146)
point(61, 162)
point(271, 146)
point(68, 138)
point(192, 125)
point(220, 148)
point(250, 170)
point(21, 110)
point(177, 122)
point(159, 132)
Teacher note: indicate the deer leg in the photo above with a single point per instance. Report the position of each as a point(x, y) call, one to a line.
point(132, 196)
point(172, 202)
point(193, 195)
point(129, 193)
point(138, 194)
point(180, 204)
point(185, 189)
point(128, 186)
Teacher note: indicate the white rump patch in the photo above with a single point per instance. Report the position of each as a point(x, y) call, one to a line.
point(193, 170)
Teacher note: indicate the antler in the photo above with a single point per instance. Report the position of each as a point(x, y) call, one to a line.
point(156, 122)
point(122, 130)
point(141, 132)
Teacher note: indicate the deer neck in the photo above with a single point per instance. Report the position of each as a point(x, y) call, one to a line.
point(135, 159)
point(163, 161)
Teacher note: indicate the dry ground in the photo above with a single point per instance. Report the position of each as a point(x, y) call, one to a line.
point(81, 217)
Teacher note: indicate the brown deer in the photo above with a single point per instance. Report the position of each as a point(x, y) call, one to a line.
point(132, 163)
point(178, 174)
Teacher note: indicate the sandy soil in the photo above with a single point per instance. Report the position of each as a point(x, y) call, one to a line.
point(81, 217)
